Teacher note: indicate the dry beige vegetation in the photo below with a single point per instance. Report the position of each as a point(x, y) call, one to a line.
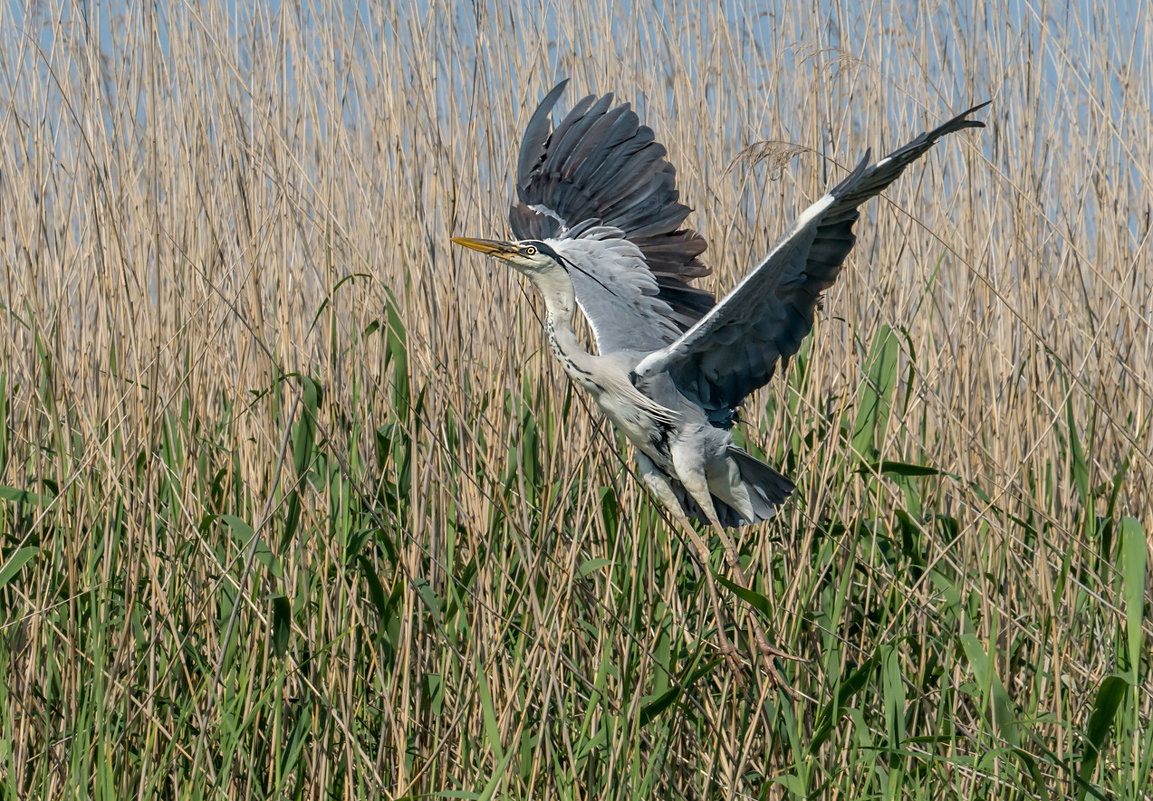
point(230, 306)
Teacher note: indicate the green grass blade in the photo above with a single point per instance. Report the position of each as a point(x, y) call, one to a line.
point(280, 624)
point(1133, 556)
point(891, 467)
point(243, 533)
point(875, 395)
point(832, 711)
point(751, 597)
point(303, 442)
point(1109, 697)
point(1001, 706)
point(19, 496)
point(1080, 464)
point(15, 562)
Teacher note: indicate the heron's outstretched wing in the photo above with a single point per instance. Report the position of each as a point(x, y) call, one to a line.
point(601, 169)
point(735, 348)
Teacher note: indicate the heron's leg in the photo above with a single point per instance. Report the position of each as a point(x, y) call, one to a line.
point(690, 468)
point(659, 485)
point(734, 561)
point(728, 649)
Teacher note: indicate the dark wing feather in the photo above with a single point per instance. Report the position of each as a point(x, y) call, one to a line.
point(735, 348)
point(532, 146)
point(602, 166)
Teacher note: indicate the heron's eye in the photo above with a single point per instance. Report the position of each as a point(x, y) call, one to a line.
point(530, 251)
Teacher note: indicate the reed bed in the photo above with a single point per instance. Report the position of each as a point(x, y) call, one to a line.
point(294, 502)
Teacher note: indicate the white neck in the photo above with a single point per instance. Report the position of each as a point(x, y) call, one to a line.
point(560, 305)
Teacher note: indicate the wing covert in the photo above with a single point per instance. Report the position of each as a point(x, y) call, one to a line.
point(617, 292)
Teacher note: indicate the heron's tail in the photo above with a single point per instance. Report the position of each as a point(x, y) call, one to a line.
point(767, 488)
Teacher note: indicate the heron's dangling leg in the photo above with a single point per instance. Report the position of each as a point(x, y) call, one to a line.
point(701, 549)
point(690, 467)
point(659, 485)
point(767, 651)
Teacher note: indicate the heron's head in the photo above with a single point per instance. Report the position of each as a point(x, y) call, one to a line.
point(529, 256)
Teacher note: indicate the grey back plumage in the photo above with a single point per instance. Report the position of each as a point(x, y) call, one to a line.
point(735, 349)
point(600, 185)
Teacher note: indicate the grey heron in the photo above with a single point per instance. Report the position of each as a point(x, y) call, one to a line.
point(598, 226)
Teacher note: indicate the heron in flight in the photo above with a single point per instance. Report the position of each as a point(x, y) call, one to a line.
point(598, 226)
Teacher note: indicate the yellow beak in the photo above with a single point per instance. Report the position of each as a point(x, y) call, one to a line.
point(493, 247)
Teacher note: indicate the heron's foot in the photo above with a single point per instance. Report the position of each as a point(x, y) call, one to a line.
point(732, 657)
point(771, 652)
